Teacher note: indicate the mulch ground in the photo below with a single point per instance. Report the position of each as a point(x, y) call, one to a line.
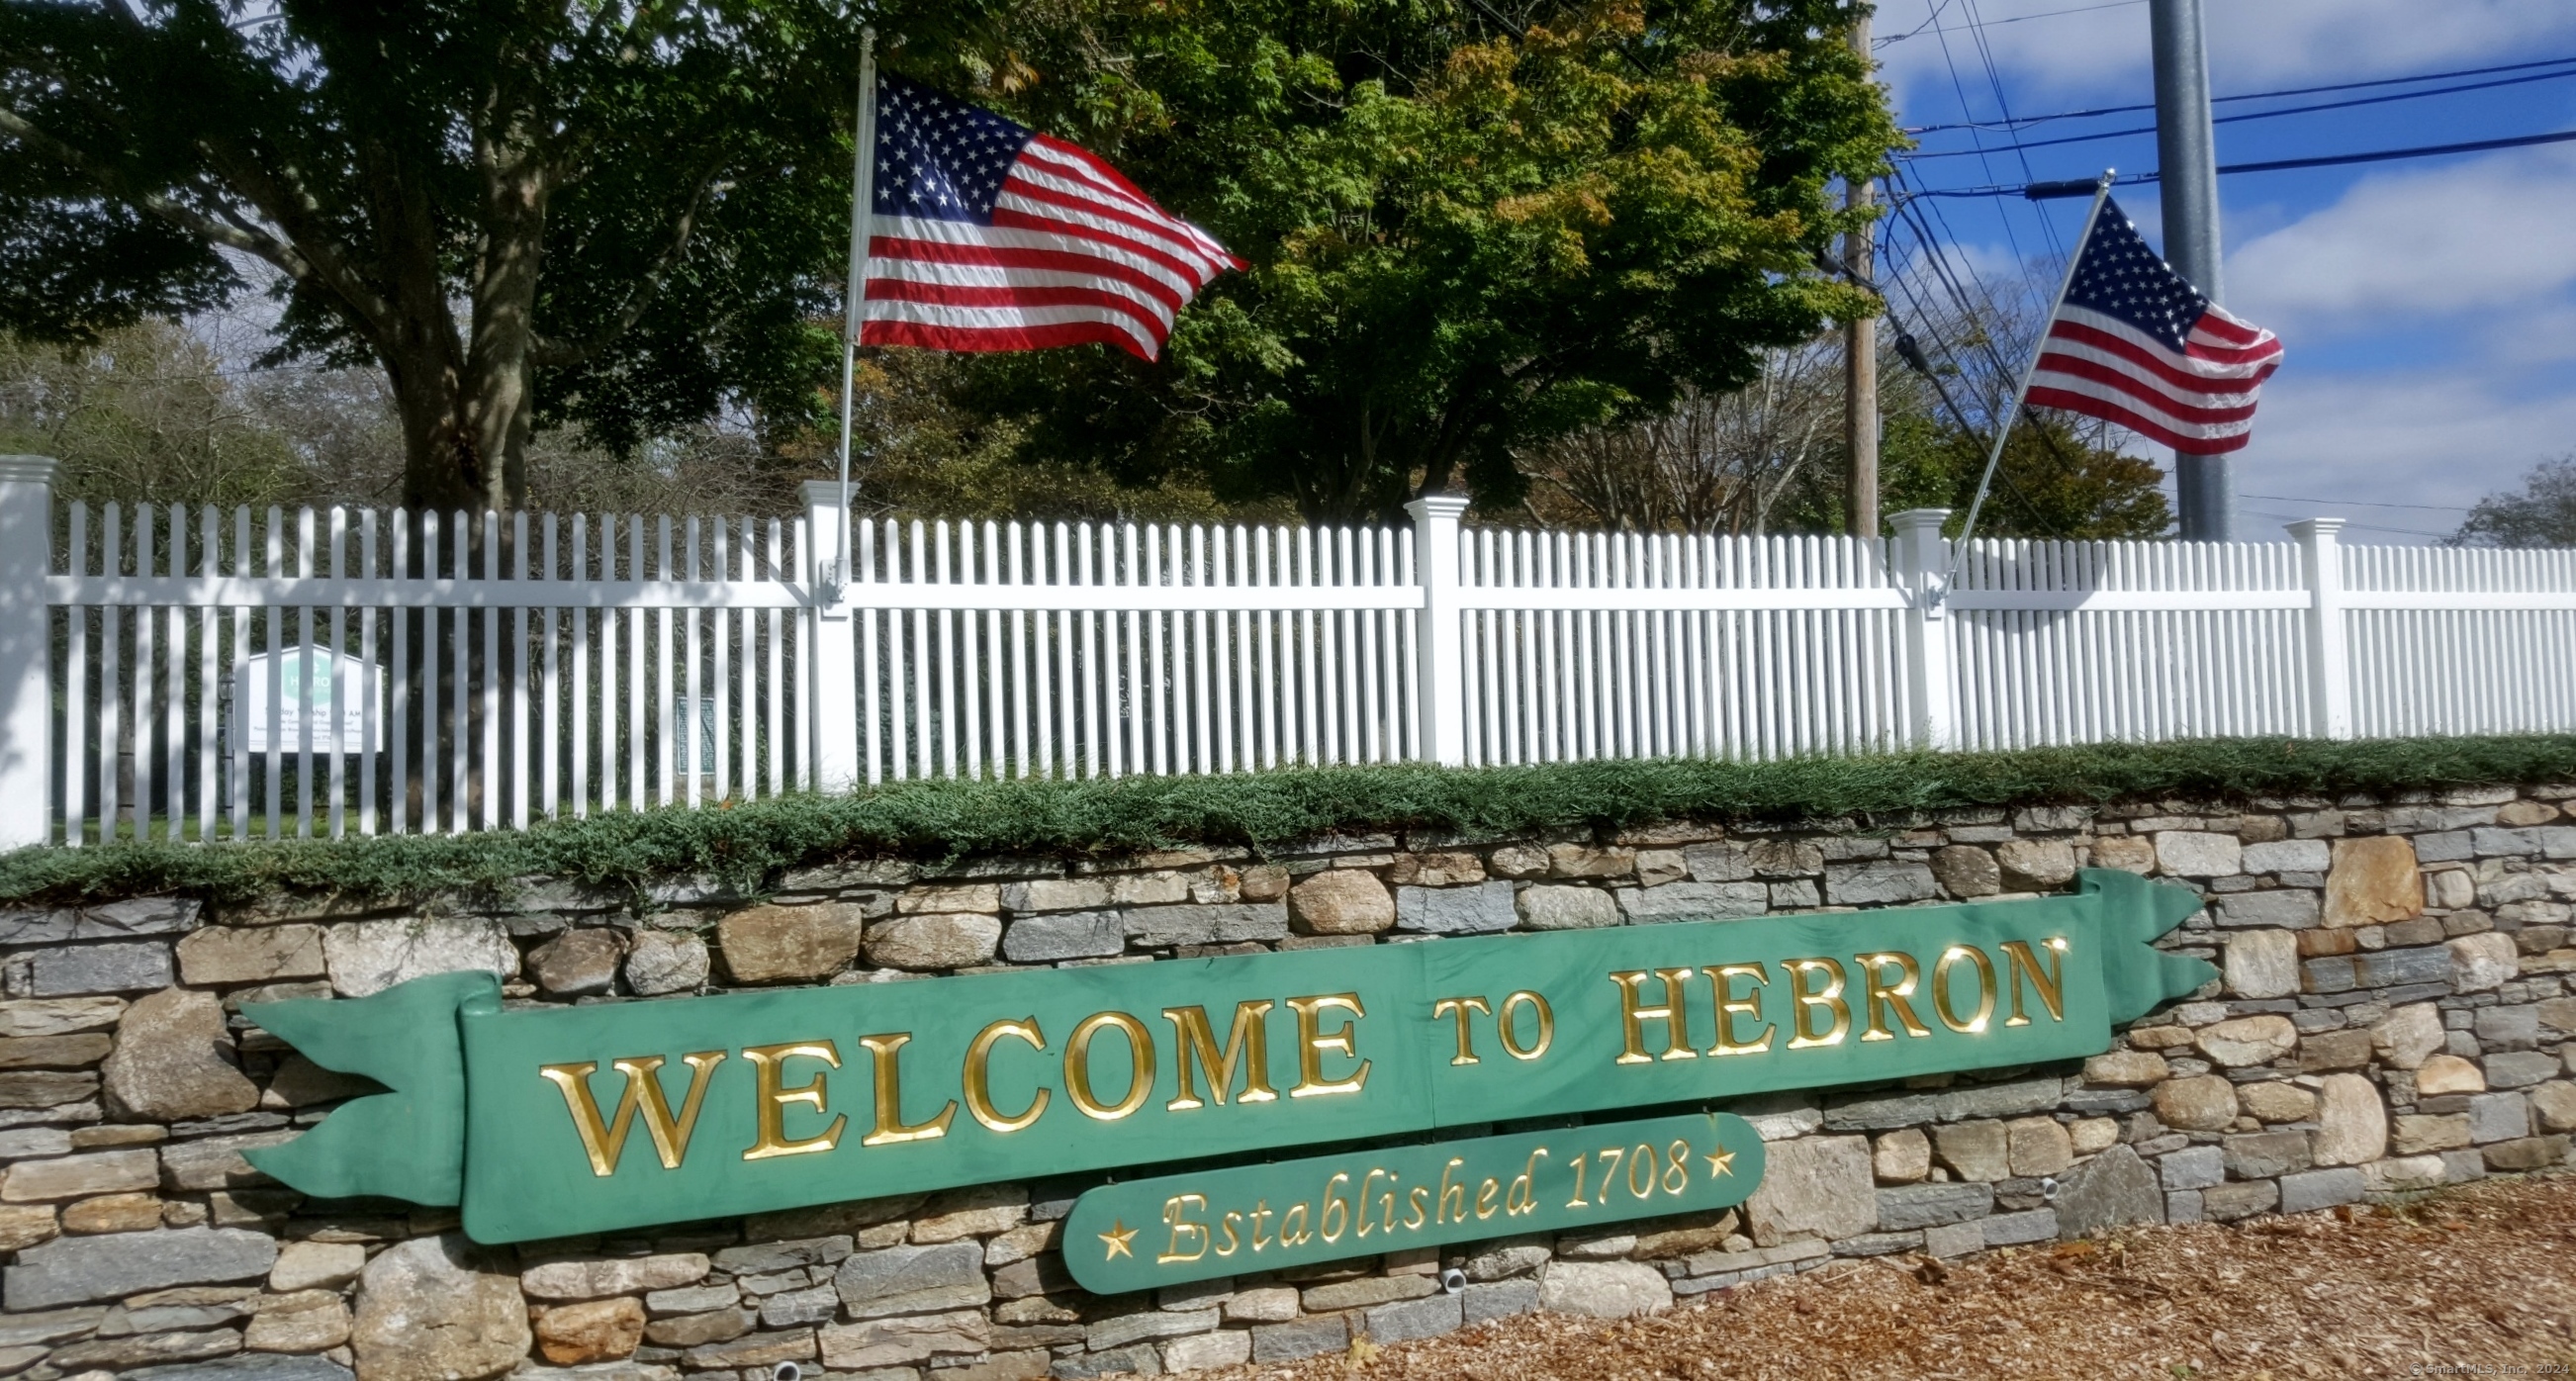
point(2475, 1281)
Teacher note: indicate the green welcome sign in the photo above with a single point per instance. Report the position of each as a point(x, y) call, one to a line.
point(550, 1121)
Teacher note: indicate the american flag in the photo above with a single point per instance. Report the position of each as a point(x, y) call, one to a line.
point(986, 235)
point(2136, 344)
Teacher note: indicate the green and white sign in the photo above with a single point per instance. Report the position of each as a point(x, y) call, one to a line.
point(553, 1121)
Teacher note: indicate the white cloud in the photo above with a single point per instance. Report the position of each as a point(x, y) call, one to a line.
point(2446, 437)
point(2496, 234)
point(2065, 48)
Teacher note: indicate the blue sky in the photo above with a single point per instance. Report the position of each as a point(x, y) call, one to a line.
point(2427, 307)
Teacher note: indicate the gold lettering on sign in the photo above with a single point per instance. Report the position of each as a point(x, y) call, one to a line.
point(2051, 986)
point(1830, 996)
point(1634, 1014)
point(1176, 1213)
point(604, 1143)
point(1453, 1197)
point(979, 1074)
point(1730, 1006)
point(1509, 1029)
point(1881, 997)
point(1247, 1044)
point(771, 1100)
point(1949, 1015)
point(1523, 1197)
point(1313, 1041)
point(1459, 1007)
point(1329, 1227)
point(1140, 1065)
point(891, 1129)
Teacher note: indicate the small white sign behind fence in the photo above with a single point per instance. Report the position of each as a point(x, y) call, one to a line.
point(312, 690)
point(529, 665)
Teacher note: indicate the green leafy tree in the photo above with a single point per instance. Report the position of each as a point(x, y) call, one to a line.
point(619, 211)
point(2540, 514)
point(1469, 231)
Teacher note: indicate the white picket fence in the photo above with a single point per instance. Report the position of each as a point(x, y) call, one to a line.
point(188, 673)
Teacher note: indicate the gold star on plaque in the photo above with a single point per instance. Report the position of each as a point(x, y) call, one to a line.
point(1117, 1238)
point(1721, 1162)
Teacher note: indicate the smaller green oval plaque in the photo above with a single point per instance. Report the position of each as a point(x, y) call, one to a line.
point(1177, 1228)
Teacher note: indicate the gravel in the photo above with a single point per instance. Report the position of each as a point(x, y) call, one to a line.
point(2480, 1276)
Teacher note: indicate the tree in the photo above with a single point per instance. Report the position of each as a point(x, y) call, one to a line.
point(2541, 514)
point(618, 206)
point(1469, 232)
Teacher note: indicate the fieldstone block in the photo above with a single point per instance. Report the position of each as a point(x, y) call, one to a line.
point(2406, 1036)
point(2447, 1074)
point(929, 941)
point(2127, 1069)
point(600, 1330)
point(110, 968)
point(2554, 1104)
point(2262, 963)
point(1590, 861)
point(1879, 882)
point(316, 1266)
point(2352, 1122)
point(2266, 1155)
point(1047, 938)
point(577, 963)
point(224, 955)
point(108, 1172)
point(2507, 1028)
point(2350, 1048)
point(2483, 962)
point(2199, 854)
point(902, 1342)
point(2412, 1134)
point(370, 956)
point(1967, 871)
point(1161, 927)
point(216, 1162)
point(2016, 1229)
point(45, 1088)
point(1912, 1206)
point(2285, 908)
point(77, 1270)
point(1286, 1342)
point(2315, 1189)
point(2201, 1103)
point(1419, 1318)
point(630, 1275)
point(2494, 1117)
point(2225, 1203)
point(2192, 1167)
point(1818, 1186)
point(2373, 881)
point(1694, 901)
point(1056, 894)
point(1972, 1150)
point(1267, 1304)
point(1603, 1289)
point(317, 1319)
point(2036, 865)
point(2519, 1068)
point(173, 1061)
point(2247, 1041)
point(26, 1018)
point(1903, 1156)
point(2008, 1098)
point(2112, 1189)
point(1554, 907)
point(113, 921)
point(1481, 909)
point(2529, 1153)
point(666, 961)
point(1499, 1299)
point(914, 1280)
point(2288, 856)
point(1341, 901)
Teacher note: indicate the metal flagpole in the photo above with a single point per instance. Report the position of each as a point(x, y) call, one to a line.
point(2003, 428)
point(863, 169)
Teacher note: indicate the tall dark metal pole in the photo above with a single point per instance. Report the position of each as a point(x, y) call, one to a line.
point(1860, 355)
point(2187, 158)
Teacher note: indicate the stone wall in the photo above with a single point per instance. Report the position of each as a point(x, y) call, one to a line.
point(2396, 1013)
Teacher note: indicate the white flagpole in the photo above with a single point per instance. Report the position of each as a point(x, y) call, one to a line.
point(863, 168)
point(2003, 428)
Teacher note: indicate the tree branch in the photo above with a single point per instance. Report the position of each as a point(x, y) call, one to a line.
point(229, 233)
point(545, 352)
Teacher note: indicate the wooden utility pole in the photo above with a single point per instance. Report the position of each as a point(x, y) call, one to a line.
point(1860, 354)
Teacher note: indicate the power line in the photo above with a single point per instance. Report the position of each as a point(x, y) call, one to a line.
point(2028, 120)
point(2079, 187)
point(1997, 23)
point(2263, 114)
point(2359, 503)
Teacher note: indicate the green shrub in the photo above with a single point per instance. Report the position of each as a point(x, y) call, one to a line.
point(747, 844)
